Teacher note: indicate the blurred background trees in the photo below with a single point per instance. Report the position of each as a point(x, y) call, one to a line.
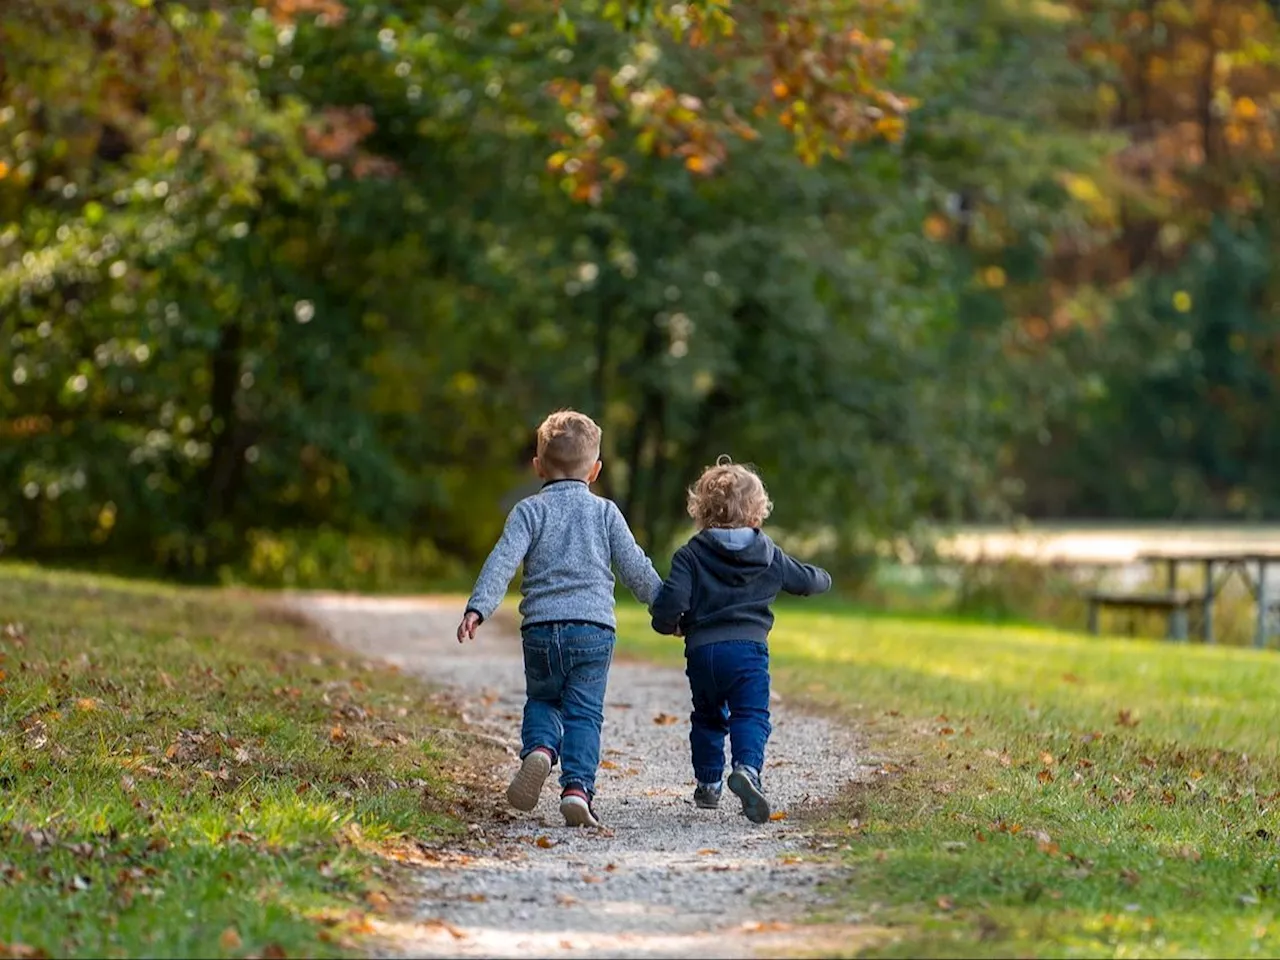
point(285, 286)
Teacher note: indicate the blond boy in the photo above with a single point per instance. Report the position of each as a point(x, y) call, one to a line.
point(568, 540)
point(719, 595)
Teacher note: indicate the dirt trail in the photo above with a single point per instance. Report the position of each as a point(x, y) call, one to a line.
point(664, 879)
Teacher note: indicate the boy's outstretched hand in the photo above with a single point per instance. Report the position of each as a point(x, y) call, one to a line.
point(467, 628)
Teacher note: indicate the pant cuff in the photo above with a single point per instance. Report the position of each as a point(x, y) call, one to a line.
point(709, 776)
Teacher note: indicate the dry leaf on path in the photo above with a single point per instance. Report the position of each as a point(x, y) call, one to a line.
point(608, 765)
point(665, 719)
point(437, 924)
point(769, 926)
point(545, 842)
point(230, 939)
point(778, 815)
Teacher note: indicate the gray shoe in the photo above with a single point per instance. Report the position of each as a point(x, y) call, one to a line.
point(745, 783)
point(526, 786)
point(707, 796)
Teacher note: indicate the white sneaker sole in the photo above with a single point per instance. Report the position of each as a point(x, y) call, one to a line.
point(526, 785)
point(577, 813)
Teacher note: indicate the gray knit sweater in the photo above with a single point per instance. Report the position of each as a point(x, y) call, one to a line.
point(567, 538)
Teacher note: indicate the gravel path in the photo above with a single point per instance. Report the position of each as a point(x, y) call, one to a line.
point(663, 879)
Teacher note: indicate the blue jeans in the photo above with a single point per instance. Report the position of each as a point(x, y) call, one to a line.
point(566, 669)
point(730, 685)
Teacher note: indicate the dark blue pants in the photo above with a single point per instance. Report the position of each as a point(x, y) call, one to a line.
point(566, 670)
point(730, 685)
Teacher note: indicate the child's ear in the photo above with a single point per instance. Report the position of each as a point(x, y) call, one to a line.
point(595, 471)
point(537, 468)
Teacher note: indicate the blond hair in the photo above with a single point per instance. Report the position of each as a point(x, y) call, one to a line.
point(568, 443)
point(728, 495)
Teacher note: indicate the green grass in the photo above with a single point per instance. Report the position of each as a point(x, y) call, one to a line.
point(1038, 793)
point(185, 773)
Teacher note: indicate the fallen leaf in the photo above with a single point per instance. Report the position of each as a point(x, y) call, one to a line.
point(377, 899)
point(665, 719)
point(608, 765)
point(1071, 678)
point(592, 878)
point(946, 731)
point(437, 924)
point(273, 951)
point(336, 733)
point(768, 926)
point(565, 900)
point(946, 903)
point(545, 842)
point(242, 755)
point(476, 898)
point(1125, 718)
point(88, 704)
point(1131, 877)
point(127, 783)
point(1084, 763)
point(22, 951)
point(707, 851)
point(230, 939)
point(1048, 759)
point(1044, 776)
point(791, 860)
point(778, 815)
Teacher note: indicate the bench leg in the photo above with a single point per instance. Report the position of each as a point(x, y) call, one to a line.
point(1178, 624)
point(1093, 618)
point(1207, 624)
point(1260, 634)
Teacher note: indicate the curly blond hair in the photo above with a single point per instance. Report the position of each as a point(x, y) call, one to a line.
point(568, 443)
point(729, 495)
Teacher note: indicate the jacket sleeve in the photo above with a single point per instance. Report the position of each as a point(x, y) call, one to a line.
point(505, 557)
point(634, 567)
point(673, 599)
point(803, 579)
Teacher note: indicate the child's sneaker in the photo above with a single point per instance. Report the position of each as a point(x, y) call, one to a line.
point(526, 785)
point(707, 796)
point(745, 782)
point(576, 807)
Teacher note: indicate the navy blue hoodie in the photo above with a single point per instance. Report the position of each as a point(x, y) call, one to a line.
point(722, 586)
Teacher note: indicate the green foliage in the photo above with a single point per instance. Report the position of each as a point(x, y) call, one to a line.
point(1179, 421)
point(327, 558)
point(178, 764)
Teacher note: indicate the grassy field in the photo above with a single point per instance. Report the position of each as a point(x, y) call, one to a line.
point(1038, 793)
point(186, 775)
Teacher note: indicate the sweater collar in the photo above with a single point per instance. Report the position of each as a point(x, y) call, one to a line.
point(564, 483)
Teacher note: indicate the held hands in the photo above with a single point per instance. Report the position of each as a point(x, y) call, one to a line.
point(467, 628)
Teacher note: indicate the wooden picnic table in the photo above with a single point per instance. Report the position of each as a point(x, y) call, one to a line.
point(1218, 568)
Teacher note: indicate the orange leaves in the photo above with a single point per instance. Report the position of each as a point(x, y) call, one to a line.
point(665, 719)
point(820, 73)
point(830, 73)
point(326, 12)
point(336, 136)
